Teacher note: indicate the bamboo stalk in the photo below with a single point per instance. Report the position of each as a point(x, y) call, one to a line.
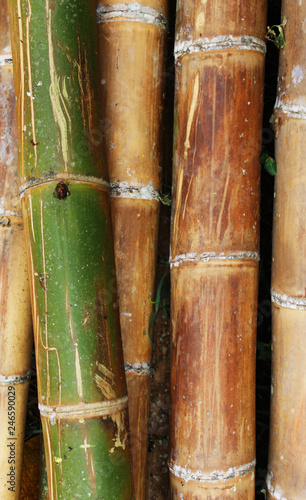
point(218, 110)
point(65, 199)
point(132, 39)
point(15, 311)
point(286, 467)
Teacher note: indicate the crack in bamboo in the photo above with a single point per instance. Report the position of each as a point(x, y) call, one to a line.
point(64, 176)
point(208, 256)
point(84, 410)
point(138, 368)
point(124, 190)
point(288, 302)
point(220, 42)
point(133, 12)
point(233, 472)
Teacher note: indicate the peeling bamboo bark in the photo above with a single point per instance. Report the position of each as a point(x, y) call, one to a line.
point(132, 38)
point(15, 311)
point(214, 258)
point(286, 468)
point(65, 200)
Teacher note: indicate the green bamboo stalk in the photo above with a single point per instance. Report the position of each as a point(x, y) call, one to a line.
point(65, 199)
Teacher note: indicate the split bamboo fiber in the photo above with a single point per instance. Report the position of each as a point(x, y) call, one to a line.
point(65, 200)
point(15, 310)
point(132, 48)
point(219, 51)
point(287, 469)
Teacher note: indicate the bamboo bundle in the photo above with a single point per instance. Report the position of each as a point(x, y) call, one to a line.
point(132, 38)
point(286, 469)
point(218, 109)
point(15, 311)
point(65, 200)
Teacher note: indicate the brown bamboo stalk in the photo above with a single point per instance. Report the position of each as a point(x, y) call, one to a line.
point(15, 311)
point(287, 469)
point(218, 109)
point(132, 38)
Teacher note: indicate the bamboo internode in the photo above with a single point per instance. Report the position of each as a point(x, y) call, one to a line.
point(286, 468)
point(15, 312)
point(219, 53)
point(65, 202)
point(132, 39)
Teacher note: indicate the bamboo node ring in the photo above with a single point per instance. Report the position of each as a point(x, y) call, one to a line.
point(61, 178)
point(139, 368)
point(15, 379)
point(124, 190)
point(221, 42)
point(288, 302)
point(134, 12)
point(207, 256)
point(83, 410)
point(6, 60)
point(187, 475)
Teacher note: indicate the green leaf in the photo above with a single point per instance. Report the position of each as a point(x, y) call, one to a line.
point(269, 163)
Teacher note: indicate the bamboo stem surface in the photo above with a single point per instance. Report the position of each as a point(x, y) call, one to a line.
point(286, 468)
point(132, 38)
point(65, 199)
point(15, 311)
point(214, 249)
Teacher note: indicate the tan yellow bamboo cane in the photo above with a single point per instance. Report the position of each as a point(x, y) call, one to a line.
point(132, 37)
point(219, 94)
point(15, 311)
point(287, 468)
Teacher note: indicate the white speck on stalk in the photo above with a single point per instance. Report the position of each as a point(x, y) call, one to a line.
point(297, 74)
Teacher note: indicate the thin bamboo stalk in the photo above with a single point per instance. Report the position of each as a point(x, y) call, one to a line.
point(16, 336)
point(132, 39)
point(65, 200)
point(286, 468)
point(214, 260)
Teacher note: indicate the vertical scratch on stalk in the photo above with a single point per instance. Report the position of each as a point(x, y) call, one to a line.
point(180, 177)
point(191, 115)
point(212, 186)
point(46, 343)
point(193, 160)
point(77, 359)
point(89, 461)
point(218, 339)
point(31, 217)
point(61, 118)
point(223, 202)
point(227, 174)
point(21, 93)
point(178, 202)
point(49, 461)
point(35, 318)
point(84, 74)
point(28, 22)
